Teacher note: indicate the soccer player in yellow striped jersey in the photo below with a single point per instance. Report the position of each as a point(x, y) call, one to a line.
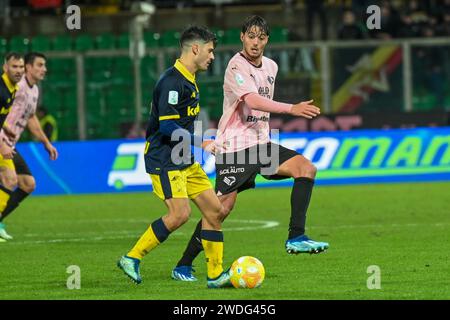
point(13, 69)
point(176, 177)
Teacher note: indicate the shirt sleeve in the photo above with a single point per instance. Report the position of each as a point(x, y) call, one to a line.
point(169, 97)
point(239, 81)
point(257, 102)
point(17, 110)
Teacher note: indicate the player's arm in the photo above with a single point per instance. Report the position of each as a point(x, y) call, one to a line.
point(35, 128)
point(16, 113)
point(6, 151)
point(6, 131)
point(240, 82)
point(302, 109)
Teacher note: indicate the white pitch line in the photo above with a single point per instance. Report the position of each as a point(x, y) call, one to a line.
point(264, 224)
point(72, 239)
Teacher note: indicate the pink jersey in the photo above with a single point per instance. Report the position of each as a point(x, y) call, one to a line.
point(24, 106)
point(241, 127)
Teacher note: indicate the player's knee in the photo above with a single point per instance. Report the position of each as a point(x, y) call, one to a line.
point(215, 221)
point(228, 202)
point(181, 215)
point(184, 214)
point(311, 170)
point(220, 213)
point(226, 209)
point(27, 185)
point(10, 182)
point(306, 169)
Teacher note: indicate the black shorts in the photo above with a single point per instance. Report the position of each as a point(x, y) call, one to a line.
point(237, 171)
point(20, 164)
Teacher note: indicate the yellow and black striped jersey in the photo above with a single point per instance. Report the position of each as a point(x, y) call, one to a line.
point(7, 94)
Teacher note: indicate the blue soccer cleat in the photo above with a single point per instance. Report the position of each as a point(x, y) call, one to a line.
point(3, 234)
point(222, 281)
point(183, 273)
point(303, 244)
point(130, 266)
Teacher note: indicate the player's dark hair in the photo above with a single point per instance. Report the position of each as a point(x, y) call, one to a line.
point(193, 33)
point(13, 55)
point(255, 21)
point(31, 56)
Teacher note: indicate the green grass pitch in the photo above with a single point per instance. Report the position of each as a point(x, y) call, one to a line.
point(404, 229)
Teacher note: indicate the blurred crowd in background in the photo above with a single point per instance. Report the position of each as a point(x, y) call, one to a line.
point(341, 19)
point(400, 19)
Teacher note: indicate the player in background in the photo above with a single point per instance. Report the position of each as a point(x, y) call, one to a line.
point(175, 107)
point(243, 133)
point(13, 68)
point(48, 123)
point(22, 115)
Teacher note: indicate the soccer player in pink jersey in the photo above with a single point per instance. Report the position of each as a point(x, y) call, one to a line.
point(243, 148)
point(23, 115)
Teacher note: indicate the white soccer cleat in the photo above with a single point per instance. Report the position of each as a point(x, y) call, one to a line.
point(3, 234)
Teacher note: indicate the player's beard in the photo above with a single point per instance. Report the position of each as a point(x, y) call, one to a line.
point(17, 77)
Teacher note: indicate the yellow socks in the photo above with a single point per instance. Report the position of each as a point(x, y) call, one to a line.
point(4, 197)
point(212, 242)
point(155, 234)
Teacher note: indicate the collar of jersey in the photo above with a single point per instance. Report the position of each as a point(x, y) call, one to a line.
point(11, 87)
point(185, 72)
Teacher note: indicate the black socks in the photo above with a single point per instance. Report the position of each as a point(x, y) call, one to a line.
point(300, 197)
point(193, 248)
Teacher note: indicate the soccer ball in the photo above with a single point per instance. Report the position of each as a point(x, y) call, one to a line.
point(247, 272)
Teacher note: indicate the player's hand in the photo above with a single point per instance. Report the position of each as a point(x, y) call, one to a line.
point(6, 151)
point(209, 146)
point(53, 153)
point(305, 109)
